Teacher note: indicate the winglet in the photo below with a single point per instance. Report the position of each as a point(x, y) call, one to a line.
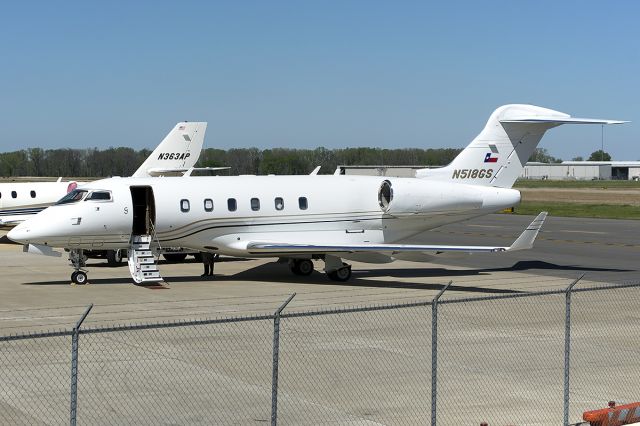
point(526, 239)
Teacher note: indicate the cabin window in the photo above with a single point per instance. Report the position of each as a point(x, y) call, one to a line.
point(302, 203)
point(255, 204)
point(14, 194)
point(33, 194)
point(184, 205)
point(72, 197)
point(232, 204)
point(279, 203)
point(99, 196)
point(208, 205)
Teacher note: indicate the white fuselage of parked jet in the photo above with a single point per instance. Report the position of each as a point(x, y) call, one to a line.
point(225, 214)
point(21, 200)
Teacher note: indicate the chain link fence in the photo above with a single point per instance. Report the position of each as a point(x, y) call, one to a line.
point(523, 358)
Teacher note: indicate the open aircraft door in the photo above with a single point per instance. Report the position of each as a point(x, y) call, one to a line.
point(144, 210)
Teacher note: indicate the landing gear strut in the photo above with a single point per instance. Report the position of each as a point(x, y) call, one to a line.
point(336, 269)
point(302, 267)
point(78, 261)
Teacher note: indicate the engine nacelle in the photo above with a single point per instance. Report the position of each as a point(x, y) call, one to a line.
point(420, 196)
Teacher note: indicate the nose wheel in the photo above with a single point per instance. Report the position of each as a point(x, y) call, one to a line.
point(78, 260)
point(79, 277)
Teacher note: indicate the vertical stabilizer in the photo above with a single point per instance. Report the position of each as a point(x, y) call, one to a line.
point(177, 153)
point(496, 157)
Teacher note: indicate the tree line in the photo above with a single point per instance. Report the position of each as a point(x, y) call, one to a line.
point(124, 161)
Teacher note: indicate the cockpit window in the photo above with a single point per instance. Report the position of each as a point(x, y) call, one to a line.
point(99, 196)
point(72, 197)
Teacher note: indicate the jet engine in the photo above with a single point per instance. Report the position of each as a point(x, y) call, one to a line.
point(417, 196)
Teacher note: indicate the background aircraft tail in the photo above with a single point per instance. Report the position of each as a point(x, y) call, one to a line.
point(177, 153)
point(498, 154)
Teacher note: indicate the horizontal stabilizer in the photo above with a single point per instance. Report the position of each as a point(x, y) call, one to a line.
point(524, 241)
point(559, 120)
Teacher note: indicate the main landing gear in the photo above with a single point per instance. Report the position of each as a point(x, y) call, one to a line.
point(115, 257)
point(335, 269)
point(302, 267)
point(78, 261)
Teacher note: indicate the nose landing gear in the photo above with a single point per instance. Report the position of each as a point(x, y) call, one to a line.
point(79, 277)
point(78, 261)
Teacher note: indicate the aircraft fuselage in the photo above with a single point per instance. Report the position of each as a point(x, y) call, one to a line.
point(223, 214)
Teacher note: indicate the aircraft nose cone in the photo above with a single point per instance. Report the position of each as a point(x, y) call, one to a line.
point(19, 234)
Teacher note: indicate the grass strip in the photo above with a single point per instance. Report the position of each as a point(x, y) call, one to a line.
point(599, 184)
point(604, 211)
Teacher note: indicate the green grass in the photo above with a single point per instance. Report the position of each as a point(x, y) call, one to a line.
point(606, 211)
point(604, 184)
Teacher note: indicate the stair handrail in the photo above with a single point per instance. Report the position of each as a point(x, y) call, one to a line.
point(154, 235)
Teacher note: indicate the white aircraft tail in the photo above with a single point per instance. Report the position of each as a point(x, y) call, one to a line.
point(498, 154)
point(177, 153)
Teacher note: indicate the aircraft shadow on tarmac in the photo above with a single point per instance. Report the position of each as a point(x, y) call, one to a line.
point(279, 273)
point(526, 265)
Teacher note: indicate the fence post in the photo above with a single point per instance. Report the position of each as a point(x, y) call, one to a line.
point(74, 367)
point(434, 352)
point(276, 353)
point(567, 347)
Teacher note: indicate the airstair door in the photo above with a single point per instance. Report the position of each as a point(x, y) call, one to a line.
point(142, 263)
point(144, 210)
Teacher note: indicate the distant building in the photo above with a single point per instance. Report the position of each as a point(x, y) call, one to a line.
point(583, 170)
point(567, 170)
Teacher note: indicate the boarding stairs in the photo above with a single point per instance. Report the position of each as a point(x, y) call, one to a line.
point(142, 264)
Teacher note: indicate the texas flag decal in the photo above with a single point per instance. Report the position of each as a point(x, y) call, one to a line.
point(489, 159)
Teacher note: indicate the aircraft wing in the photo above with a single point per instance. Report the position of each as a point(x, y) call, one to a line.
point(177, 171)
point(523, 242)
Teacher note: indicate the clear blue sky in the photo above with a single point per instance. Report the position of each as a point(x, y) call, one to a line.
point(307, 74)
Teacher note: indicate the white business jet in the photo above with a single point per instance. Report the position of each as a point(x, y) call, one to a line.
point(362, 218)
point(177, 153)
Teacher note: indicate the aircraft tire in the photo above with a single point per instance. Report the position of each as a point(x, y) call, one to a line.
point(343, 274)
point(79, 277)
point(302, 267)
point(114, 257)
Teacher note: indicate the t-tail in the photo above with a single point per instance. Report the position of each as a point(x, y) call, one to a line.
point(178, 152)
point(497, 156)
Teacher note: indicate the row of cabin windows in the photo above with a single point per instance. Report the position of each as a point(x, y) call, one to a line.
point(232, 204)
point(14, 194)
